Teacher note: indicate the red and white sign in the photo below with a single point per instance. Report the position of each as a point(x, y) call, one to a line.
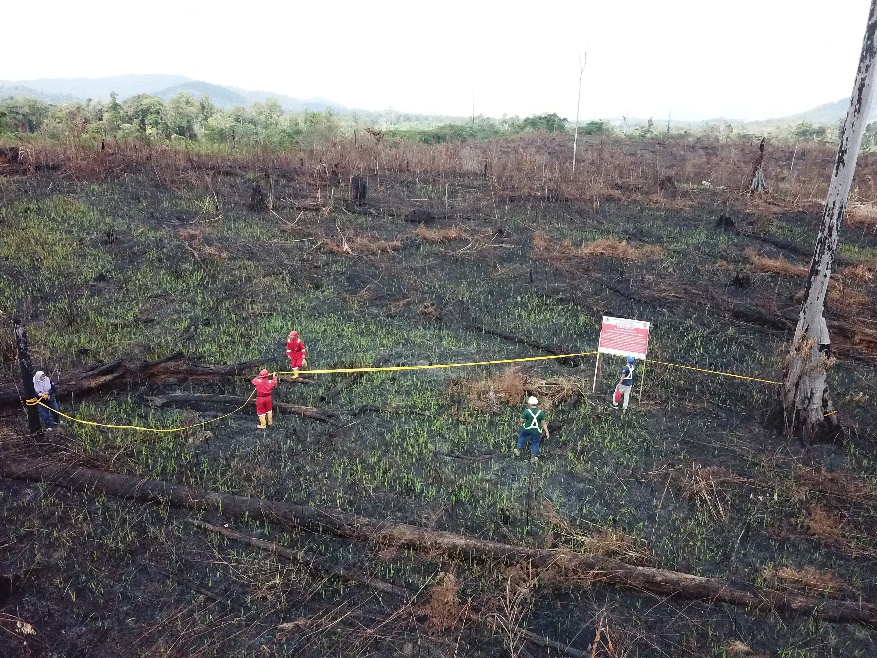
point(624, 337)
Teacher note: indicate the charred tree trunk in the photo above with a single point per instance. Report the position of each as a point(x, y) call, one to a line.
point(344, 573)
point(258, 203)
point(562, 563)
point(556, 350)
point(119, 374)
point(807, 405)
point(358, 189)
point(756, 178)
point(27, 373)
point(197, 399)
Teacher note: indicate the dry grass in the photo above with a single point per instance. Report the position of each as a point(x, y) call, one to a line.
point(776, 265)
point(839, 295)
point(512, 386)
point(544, 247)
point(552, 391)
point(197, 240)
point(862, 214)
point(845, 299)
point(738, 649)
point(608, 543)
point(441, 234)
point(616, 544)
point(360, 245)
point(443, 606)
point(708, 487)
point(507, 388)
point(858, 273)
point(808, 581)
point(839, 485)
point(823, 524)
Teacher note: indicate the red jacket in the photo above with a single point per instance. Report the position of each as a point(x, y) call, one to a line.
point(264, 386)
point(295, 346)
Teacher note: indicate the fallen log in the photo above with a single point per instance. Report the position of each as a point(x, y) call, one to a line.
point(564, 563)
point(309, 559)
point(178, 399)
point(120, 374)
point(521, 340)
point(551, 644)
point(341, 386)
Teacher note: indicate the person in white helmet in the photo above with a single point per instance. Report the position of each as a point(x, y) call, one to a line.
point(533, 423)
point(622, 391)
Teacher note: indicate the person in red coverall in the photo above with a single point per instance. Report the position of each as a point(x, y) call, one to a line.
point(295, 350)
point(264, 384)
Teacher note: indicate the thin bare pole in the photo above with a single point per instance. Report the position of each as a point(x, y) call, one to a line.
point(575, 139)
point(596, 367)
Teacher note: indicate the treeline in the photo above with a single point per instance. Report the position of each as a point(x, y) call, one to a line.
point(483, 128)
point(184, 118)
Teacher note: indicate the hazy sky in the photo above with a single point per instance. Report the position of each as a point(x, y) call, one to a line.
point(690, 59)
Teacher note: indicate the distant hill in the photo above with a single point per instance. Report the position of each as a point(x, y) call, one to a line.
point(14, 90)
point(81, 89)
point(68, 90)
point(829, 113)
point(223, 97)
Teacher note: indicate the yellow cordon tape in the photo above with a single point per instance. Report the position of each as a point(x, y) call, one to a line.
point(714, 372)
point(431, 366)
point(36, 401)
point(331, 371)
point(727, 374)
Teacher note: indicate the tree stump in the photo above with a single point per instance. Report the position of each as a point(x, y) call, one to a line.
point(258, 202)
point(756, 178)
point(358, 189)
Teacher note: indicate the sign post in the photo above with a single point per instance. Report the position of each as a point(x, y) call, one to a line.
point(622, 337)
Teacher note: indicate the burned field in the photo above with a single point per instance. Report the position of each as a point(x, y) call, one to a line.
point(383, 513)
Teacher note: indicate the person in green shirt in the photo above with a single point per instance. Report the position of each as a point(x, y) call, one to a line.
point(533, 423)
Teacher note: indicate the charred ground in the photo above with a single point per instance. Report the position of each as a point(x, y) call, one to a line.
point(454, 253)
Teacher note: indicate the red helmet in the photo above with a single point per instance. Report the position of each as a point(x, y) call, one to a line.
point(293, 333)
point(263, 373)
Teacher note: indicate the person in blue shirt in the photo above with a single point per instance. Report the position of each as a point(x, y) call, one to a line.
point(622, 391)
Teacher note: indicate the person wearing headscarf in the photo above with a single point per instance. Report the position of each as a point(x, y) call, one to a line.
point(48, 407)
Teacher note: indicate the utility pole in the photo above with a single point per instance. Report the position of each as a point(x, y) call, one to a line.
point(575, 139)
point(22, 343)
point(473, 107)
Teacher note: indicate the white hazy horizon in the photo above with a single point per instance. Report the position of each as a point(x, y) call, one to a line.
point(679, 59)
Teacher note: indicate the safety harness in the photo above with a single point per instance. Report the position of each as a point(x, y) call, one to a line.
point(534, 422)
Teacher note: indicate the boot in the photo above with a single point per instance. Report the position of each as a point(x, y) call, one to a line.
point(261, 424)
point(270, 415)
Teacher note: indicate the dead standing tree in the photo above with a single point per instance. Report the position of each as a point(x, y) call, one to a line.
point(756, 178)
point(806, 402)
